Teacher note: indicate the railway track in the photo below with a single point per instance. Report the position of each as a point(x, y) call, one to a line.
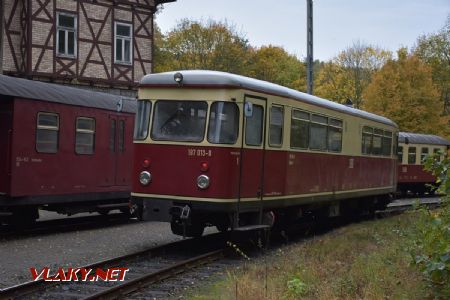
point(66, 225)
point(145, 268)
point(149, 269)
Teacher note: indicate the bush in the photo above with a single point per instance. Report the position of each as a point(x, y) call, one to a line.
point(431, 245)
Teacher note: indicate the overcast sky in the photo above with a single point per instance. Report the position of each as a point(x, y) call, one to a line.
point(389, 24)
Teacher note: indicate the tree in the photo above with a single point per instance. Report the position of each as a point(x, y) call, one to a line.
point(434, 49)
point(403, 91)
point(349, 73)
point(210, 46)
point(274, 64)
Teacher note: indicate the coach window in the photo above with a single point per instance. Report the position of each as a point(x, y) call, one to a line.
point(412, 155)
point(367, 134)
point(85, 135)
point(47, 130)
point(376, 141)
point(254, 126)
point(121, 136)
point(387, 143)
point(142, 120)
point(437, 150)
point(276, 126)
point(400, 154)
point(112, 136)
point(423, 154)
point(66, 35)
point(223, 123)
point(335, 135)
point(300, 129)
point(318, 133)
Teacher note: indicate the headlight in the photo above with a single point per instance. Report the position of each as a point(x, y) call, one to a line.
point(145, 177)
point(203, 182)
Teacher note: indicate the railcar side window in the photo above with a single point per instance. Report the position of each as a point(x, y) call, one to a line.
point(47, 130)
point(335, 135)
point(300, 129)
point(223, 123)
point(423, 154)
point(254, 126)
point(276, 126)
point(376, 141)
point(318, 133)
point(387, 143)
point(179, 121)
point(412, 155)
point(367, 140)
point(400, 154)
point(85, 136)
point(142, 120)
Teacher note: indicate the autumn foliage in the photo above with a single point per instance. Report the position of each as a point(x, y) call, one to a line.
point(412, 89)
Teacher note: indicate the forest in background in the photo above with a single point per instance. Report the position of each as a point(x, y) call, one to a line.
point(411, 86)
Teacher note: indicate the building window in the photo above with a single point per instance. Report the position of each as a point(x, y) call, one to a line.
point(276, 126)
point(47, 133)
point(66, 35)
point(122, 43)
point(85, 136)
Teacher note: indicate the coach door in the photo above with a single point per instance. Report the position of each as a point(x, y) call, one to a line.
point(252, 155)
point(6, 110)
point(118, 150)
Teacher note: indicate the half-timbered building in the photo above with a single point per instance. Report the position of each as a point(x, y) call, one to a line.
point(98, 43)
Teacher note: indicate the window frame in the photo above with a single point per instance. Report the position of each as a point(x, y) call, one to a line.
point(67, 30)
point(237, 124)
point(49, 128)
point(93, 132)
point(123, 38)
point(410, 154)
point(335, 126)
point(315, 122)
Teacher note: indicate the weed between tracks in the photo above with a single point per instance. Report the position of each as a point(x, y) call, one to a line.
point(369, 260)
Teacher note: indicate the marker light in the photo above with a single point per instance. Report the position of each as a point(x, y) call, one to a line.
point(146, 163)
point(204, 166)
point(178, 77)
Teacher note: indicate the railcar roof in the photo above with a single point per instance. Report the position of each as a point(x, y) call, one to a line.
point(202, 78)
point(418, 138)
point(36, 90)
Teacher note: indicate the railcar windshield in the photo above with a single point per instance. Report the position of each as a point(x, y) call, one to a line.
point(179, 121)
point(223, 123)
point(142, 121)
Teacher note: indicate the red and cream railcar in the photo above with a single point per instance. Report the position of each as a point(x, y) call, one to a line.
point(214, 148)
point(62, 149)
point(412, 150)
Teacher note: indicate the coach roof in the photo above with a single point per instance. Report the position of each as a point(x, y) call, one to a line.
point(418, 138)
point(215, 79)
point(31, 89)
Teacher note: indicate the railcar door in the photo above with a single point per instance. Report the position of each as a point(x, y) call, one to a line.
point(6, 117)
point(252, 155)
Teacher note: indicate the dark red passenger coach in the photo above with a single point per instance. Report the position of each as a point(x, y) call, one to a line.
point(62, 149)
